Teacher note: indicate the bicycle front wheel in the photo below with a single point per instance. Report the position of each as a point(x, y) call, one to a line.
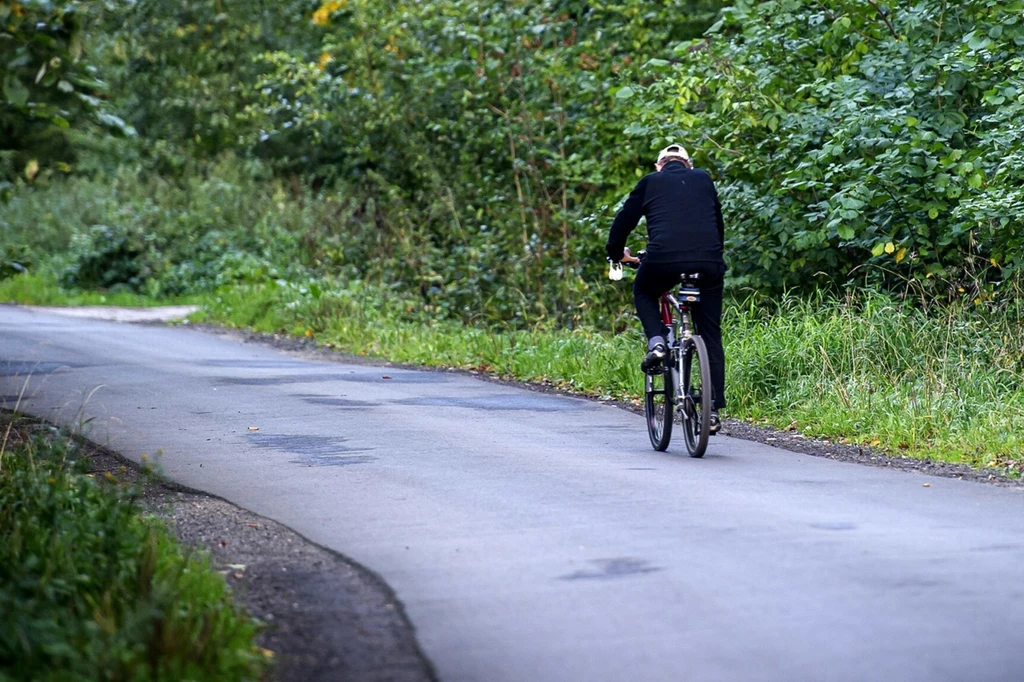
point(658, 395)
point(695, 395)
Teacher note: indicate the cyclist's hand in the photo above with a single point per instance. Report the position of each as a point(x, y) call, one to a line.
point(629, 258)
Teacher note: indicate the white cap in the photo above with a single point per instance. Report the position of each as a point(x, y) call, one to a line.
point(673, 150)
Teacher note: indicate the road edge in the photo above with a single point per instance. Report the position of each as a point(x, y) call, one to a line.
point(790, 441)
point(158, 495)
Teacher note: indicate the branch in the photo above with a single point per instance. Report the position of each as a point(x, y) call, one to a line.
point(885, 17)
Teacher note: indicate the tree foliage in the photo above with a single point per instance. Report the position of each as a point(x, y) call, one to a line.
point(47, 86)
point(478, 138)
point(850, 133)
point(184, 70)
point(473, 152)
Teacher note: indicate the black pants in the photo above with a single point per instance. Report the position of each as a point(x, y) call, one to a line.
point(654, 279)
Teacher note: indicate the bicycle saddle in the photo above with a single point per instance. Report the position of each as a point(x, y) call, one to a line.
point(689, 287)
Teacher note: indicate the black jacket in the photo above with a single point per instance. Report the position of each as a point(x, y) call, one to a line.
point(684, 217)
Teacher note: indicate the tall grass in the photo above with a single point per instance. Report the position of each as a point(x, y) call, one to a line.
point(945, 383)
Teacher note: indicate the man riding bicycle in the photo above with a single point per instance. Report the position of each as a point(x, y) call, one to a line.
point(685, 234)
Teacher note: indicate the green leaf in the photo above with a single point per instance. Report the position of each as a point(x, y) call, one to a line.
point(115, 122)
point(978, 42)
point(14, 92)
point(845, 232)
point(624, 93)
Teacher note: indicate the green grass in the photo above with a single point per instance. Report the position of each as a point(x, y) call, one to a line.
point(945, 384)
point(38, 289)
point(91, 588)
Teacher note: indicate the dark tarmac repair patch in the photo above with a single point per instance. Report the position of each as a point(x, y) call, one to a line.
point(490, 403)
point(322, 451)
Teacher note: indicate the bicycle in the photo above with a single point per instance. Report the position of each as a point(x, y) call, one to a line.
point(675, 383)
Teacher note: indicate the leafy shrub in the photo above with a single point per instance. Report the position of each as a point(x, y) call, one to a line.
point(847, 134)
point(91, 589)
point(14, 261)
point(483, 194)
point(105, 257)
point(169, 237)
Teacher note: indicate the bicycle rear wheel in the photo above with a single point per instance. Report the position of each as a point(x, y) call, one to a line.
point(658, 396)
point(696, 395)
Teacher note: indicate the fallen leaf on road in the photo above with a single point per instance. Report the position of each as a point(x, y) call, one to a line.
point(254, 428)
point(238, 575)
point(927, 485)
point(254, 525)
point(386, 376)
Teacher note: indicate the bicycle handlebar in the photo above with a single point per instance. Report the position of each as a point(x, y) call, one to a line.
point(635, 266)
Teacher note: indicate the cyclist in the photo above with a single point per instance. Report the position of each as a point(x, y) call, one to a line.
point(685, 233)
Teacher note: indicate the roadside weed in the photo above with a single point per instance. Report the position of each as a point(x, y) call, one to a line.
point(91, 587)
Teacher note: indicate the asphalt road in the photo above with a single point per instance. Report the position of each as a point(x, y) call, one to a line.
point(538, 537)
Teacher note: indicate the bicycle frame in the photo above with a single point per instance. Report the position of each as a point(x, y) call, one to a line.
point(680, 327)
point(685, 347)
point(670, 303)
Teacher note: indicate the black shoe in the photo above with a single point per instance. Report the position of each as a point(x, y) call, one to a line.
point(655, 356)
point(714, 423)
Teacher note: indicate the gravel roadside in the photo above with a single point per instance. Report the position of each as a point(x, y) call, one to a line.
point(327, 617)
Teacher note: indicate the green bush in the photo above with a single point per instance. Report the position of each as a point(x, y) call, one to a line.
point(851, 134)
point(490, 194)
point(49, 89)
point(169, 237)
point(90, 588)
point(108, 258)
point(14, 261)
